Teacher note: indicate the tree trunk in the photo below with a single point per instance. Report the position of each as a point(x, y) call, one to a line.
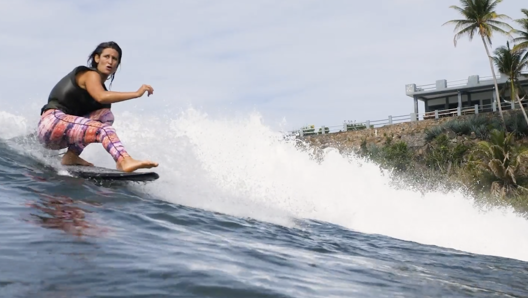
point(512, 89)
point(495, 82)
point(522, 108)
point(515, 94)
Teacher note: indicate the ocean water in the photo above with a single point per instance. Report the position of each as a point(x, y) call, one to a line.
point(239, 211)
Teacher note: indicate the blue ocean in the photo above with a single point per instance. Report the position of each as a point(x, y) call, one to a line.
point(241, 211)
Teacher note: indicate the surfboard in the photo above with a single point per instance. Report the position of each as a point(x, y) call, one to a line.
point(101, 173)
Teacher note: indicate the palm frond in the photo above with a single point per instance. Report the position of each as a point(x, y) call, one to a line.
point(510, 173)
point(492, 5)
point(522, 40)
point(497, 168)
point(460, 10)
point(458, 23)
point(470, 31)
point(523, 21)
point(488, 39)
point(502, 17)
point(501, 24)
point(521, 43)
point(498, 29)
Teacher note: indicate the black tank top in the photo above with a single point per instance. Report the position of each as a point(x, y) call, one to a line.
point(71, 99)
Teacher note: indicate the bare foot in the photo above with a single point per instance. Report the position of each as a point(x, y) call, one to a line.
point(71, 158)
point(128, 164)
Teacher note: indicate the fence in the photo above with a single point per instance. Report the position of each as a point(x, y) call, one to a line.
point(444, 84)
point(412, 117)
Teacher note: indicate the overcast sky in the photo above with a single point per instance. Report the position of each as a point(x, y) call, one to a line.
point(302, 61)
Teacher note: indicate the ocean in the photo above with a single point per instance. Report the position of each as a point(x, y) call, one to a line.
point(241, 211)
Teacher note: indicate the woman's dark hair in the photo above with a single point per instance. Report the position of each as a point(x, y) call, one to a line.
point(99, 50)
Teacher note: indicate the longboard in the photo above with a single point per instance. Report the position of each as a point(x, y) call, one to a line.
point(100, 173)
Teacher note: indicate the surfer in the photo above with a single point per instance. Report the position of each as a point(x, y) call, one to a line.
point(78, 111)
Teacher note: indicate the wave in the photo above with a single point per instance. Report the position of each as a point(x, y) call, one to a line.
point(241, 167)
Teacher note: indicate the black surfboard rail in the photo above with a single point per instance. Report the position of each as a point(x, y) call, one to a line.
point(100, 173)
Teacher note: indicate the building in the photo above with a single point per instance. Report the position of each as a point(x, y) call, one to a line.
point(441, 99)
point(473, 95)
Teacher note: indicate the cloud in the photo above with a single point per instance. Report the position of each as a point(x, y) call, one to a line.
point(309, 62)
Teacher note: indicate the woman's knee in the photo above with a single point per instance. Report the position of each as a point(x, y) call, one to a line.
point(102, 115)
point(107, 129)
point(45, 129)
point(107, 117)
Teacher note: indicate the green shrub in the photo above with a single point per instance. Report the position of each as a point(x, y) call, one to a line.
point(442, 155)
point(481, 125)
point(433, 132)
point(460, 127)
point(396, 155)
point(516, 124)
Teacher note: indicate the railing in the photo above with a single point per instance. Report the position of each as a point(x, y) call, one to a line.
point(451, 84)
point(426, 87)
point(471, 81)
point(486, 78)
point(457, 83)
point(412, 117)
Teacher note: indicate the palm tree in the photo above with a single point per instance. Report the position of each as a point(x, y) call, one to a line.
point(511, 63)
point(480, 17)
point(522, 40)
point(500, 162)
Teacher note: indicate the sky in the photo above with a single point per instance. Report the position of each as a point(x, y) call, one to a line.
point(296, 62)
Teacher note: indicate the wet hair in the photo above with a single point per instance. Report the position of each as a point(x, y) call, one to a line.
point(99, 50)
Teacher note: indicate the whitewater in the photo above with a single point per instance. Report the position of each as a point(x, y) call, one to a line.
point(241, 168)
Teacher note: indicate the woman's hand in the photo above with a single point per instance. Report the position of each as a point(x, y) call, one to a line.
point(145, 88)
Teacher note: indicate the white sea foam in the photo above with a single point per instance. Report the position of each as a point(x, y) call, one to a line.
point(241, 167)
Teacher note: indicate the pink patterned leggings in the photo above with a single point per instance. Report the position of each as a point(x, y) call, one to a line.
point(57, 130)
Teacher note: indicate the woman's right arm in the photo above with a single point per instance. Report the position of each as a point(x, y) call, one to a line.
point(92, 82)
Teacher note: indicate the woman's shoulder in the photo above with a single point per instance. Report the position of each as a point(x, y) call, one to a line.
point(82, 68)
point(79, 75)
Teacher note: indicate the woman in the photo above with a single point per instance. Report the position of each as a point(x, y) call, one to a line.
point(78, 111)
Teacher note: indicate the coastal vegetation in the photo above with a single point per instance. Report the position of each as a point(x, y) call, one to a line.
point(485, 155)
point(471, 153)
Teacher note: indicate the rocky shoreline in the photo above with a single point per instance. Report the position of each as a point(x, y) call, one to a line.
point(412, 133)
point(469, 151)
